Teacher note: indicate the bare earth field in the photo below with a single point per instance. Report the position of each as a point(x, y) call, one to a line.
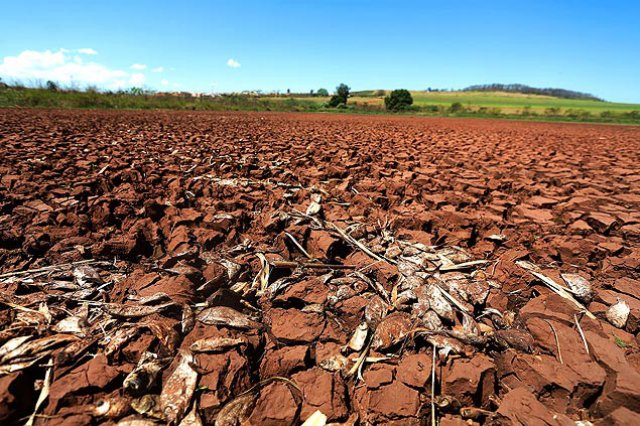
point(252, 268)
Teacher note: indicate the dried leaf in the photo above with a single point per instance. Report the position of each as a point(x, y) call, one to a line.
point(145, 374)
point(238, 410)
point(135, 311)
point(86, 275)
point(72, 324)
point(315, 207)
point(334, 363)
point(579, 286)
point(188, 319)
point(39, 347)
point(316, 419)
point(618, 313)
point(357, 341)
point(12, 345)
point(217, 344)
point(118, 339)
point(178, 390)
point(148, 405)
point(227, 317)
point(113, 408)
point(438, 303)
point(261, 281)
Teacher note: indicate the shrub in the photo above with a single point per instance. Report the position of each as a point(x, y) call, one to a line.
point(322, 92)
point(633, 114)
point(398, 99)
point(553, 111)
point(379, 92)
point(526, 111)
point(341, 95)
point(578, 113)
point(456, 107)
point(52, 86)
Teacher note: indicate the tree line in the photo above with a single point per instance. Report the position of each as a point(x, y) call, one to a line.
point(523, 88)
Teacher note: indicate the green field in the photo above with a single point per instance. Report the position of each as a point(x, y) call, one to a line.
point(509, 103)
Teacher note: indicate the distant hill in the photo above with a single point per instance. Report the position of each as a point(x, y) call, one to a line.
point(523, 88)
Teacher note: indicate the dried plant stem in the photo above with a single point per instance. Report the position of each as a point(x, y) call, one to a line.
point(44, 393)
point(433, 387)
point(348, 238)
point(285, 264)
point(356, 367)
point(584, 339)
point(297, 244)
point(557, 288)
point(453, 300)
point(555, 336)
point(464, 265)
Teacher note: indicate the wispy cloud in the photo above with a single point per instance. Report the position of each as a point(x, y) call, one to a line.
point(158, 69)
point(138, 67)
point(86, 51)
point(233, 63)
point(164, 82)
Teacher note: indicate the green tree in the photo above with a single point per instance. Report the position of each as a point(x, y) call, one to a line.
point(341, 96)
point(398, 99)
point(52, 86)
point(322, 92)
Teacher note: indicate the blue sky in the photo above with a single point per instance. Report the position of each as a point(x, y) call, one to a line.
point(301, 45)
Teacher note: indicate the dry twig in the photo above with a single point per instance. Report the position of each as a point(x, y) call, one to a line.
point(555, 336)
point(584, 339)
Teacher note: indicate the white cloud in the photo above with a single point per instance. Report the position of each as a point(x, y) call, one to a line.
point(57, 66)
point(65, 67)
point(137, 79)
point(158, 69)
point(138, 67)
point(233, 63)
point(85, 51)
point(164, 82)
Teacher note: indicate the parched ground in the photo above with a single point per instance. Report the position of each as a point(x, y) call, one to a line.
point(214, 267)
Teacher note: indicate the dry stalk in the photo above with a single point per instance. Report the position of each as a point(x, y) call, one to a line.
point(584, 339)
point(44, 394)
point(433, 387)
point(356, 367)
point(555, 336)
point(285, 264)
point(297, 244)
point(464, 265)
point(557, 288)
point(453, 300)
point(261, 280)
point(349, 239)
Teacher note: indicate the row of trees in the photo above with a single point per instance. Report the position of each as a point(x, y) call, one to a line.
point(523, 88)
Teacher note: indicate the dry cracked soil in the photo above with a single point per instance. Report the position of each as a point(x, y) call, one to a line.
point(275, 269)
